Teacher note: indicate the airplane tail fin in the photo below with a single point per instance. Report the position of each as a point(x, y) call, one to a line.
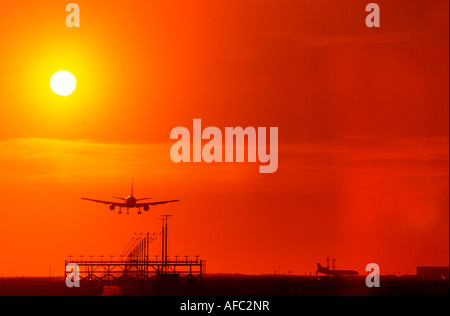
point(321, 269)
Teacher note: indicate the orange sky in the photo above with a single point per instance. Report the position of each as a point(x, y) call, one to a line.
point(363, 131)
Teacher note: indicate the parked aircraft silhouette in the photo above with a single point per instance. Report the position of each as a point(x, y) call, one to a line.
point(327, 271)
point(130, 202)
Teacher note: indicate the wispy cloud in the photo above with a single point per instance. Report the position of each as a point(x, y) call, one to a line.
point(414, 156)
point(50, 158)
point(42, 159)
point(39, 158)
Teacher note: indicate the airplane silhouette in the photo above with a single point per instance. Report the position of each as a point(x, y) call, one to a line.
point(130, 202)
point(327, 271)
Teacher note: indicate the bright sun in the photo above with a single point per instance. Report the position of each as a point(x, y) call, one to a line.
point(63, 83)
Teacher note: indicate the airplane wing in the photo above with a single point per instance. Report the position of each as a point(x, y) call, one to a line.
point(106, 202)
point(155, 203)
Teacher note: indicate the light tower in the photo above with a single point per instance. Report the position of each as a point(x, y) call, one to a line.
point(165, 219)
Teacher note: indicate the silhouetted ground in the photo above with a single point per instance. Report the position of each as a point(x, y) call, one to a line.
point(230, 285)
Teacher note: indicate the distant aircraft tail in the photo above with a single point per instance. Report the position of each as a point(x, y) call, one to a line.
point(321, 269)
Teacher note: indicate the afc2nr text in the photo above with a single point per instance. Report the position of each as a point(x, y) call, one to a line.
point(246, 306)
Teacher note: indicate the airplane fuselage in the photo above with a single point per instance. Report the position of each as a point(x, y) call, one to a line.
point(340, 272)
point(327, 271)
point(131, 201)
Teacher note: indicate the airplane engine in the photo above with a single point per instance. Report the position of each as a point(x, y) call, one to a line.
point(146, 208)
point(112, 207)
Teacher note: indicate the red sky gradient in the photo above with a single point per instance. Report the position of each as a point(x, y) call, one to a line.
point(363, 117)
